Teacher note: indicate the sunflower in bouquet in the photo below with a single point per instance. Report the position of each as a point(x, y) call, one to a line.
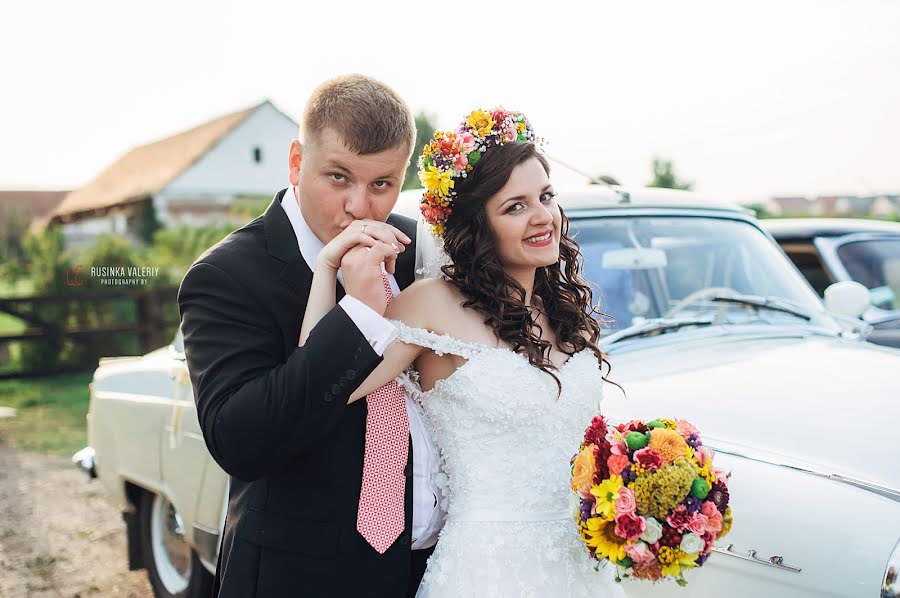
point(650, 500)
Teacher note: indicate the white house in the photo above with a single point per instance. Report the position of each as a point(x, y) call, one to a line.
point(191, 178)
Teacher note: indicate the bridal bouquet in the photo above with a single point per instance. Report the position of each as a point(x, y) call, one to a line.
point(650, 500)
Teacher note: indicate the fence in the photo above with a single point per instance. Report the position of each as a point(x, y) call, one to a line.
point(66, 333)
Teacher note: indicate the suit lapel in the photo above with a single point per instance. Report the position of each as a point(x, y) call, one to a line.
point(281, 243)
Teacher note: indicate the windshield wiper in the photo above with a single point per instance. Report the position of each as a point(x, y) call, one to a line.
point(771, 303)
point(657, 326)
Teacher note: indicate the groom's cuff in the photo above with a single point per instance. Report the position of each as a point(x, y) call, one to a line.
point(378, 331)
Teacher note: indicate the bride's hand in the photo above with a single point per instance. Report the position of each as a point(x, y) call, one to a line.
point(367, 233)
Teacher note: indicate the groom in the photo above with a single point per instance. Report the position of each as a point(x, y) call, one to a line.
point(275, 415)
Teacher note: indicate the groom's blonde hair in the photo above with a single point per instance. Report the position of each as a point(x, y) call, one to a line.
point(367, 115)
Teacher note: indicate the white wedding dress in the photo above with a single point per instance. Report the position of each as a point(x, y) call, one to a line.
point(506, 441)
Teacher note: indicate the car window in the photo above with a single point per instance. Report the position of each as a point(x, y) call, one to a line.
point(875, 264)
point(699, 253)
point(807, 260)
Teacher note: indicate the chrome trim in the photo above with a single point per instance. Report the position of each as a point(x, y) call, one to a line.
point(85, 460)
point(890, 493)
point(775, 561)
point(206, 542)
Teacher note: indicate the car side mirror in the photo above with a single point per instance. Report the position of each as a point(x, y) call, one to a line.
point(847, 298)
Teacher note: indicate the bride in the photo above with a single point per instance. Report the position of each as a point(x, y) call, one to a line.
point(500, 350)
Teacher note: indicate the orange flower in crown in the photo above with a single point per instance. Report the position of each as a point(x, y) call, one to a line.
point(451, 155)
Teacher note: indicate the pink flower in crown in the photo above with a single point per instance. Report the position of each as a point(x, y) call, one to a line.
point(686, 428)
point(626, 502)
point(499, 115)
point(466, 142)
point(713, 516)
point(509, 131)
point(640, 552)
point(629, 526)
point(462, 160)
point(698, 523)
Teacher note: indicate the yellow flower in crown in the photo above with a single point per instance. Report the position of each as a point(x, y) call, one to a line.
point(481, 123)
point(451, 155)
point(439, 183)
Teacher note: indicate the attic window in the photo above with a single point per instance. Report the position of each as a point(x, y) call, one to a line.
point(257, 154)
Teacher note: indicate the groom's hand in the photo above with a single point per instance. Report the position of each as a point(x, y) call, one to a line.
point(361, 267)
point(367, 233)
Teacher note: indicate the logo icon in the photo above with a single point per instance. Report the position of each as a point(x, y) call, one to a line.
point(75, 277)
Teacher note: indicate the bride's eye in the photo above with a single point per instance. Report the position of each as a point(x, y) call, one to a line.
point(547, 196)
point(516, 207)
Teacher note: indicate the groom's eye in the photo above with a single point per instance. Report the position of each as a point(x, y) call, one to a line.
point(381, 184)
point(337, 177)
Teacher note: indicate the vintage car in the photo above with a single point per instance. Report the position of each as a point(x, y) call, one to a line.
point(829, 250)
point(709, 321)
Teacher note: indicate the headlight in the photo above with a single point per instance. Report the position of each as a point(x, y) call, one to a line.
point(890, 587)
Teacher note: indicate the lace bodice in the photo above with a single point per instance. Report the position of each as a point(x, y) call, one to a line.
point(505, 440)
point(504, 436)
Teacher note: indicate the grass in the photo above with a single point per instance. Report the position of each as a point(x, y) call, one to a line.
point(49, 413)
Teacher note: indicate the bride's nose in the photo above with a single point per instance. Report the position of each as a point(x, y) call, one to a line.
point(542, 216)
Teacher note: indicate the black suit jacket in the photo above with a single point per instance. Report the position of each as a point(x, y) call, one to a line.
point(276, 418)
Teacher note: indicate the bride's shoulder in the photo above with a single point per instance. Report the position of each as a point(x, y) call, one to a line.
point(425, 303)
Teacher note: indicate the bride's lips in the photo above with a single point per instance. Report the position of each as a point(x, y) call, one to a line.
point(540, 240)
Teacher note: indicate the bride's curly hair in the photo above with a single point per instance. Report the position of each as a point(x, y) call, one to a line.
point(478, 273)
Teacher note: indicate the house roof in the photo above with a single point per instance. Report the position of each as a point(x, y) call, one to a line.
point(34, 203)
point(148, 168)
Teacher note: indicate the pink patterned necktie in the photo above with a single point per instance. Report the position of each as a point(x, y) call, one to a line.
point(380, 518)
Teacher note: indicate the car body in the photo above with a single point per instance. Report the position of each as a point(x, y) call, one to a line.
point(713, 324)
point(829, 250)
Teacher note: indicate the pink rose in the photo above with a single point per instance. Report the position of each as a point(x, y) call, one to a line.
point(648, 458)
point(626, 503)
point(640, 553)
point(461, 161)
point(680, 518)
point(686, 428)
point(714, 518)
point(698, 523)
point(617, 463)
point(629, 526)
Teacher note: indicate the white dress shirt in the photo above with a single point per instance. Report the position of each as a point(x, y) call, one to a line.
point(427, 515)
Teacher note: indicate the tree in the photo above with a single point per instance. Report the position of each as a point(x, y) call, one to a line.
point(664, 176)
point(424, 131)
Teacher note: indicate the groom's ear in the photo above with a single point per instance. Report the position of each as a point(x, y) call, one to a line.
point(295, 157)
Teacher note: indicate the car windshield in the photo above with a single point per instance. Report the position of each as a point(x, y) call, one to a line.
point(876, 264)
point(689, 267)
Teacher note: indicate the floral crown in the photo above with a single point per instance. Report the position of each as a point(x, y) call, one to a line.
point(451, 155)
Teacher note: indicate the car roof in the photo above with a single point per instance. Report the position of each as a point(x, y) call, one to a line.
point(798, 228)
point(599, 197)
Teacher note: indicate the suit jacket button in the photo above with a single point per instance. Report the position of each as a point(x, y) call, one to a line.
point(327, 398)
point(351, 374)
point(404, 539)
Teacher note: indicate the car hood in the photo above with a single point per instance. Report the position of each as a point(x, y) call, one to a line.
point(808, 401)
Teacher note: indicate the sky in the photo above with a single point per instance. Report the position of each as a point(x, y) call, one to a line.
point(749, 100)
